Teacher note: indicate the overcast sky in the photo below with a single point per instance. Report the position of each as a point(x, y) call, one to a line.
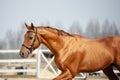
point(13, 13)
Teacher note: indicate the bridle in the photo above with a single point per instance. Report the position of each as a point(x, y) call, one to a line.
point(35, 38)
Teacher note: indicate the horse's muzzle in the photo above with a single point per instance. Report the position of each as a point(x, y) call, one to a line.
point(24, 54)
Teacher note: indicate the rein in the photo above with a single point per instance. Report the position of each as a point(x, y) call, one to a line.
point(35, 38)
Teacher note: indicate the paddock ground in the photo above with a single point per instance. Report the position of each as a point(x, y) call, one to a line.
point(33, 78)
point(30, 77)
point(45, 79)
point(48, 79)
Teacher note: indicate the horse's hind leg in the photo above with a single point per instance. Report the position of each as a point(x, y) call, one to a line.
point(118, 65)
point(110, 74)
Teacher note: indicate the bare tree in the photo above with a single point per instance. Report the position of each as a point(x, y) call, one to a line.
point(105, 28)
point(75, 28)
point(109, 29)
point(20, 36)
point(15, 38)
point(114, 29)
point(10, 39)
point(2, 44)
point(93, 29)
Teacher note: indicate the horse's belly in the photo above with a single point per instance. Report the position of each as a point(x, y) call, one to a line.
point(95, 62)
point(93, 67)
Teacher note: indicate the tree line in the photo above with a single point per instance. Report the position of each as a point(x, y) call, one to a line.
point(94, 29)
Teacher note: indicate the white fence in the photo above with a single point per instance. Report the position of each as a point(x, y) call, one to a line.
point(38, 60)
point(17, 61)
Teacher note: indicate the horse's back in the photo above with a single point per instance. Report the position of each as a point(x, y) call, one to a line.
point(112, 43)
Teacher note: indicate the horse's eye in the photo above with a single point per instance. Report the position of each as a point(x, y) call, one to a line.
point(30, 38)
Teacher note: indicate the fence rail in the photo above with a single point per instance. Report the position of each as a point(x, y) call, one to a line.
point(18, 61)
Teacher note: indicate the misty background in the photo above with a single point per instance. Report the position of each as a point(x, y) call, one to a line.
point(89, 18)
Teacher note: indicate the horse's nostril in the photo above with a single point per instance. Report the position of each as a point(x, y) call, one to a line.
point(22, 54)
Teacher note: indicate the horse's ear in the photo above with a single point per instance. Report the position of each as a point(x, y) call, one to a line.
point(26, 25)
point(30, 27)
point(32, 24)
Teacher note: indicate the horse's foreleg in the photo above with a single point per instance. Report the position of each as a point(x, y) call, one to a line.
point(66, 75)
point(110, 74)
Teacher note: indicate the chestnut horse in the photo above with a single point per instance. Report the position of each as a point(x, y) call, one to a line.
point(74, 53)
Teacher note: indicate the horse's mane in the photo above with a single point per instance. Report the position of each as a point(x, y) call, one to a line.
point(60, 32)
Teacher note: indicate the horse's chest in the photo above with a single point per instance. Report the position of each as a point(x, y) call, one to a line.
point(59, 64)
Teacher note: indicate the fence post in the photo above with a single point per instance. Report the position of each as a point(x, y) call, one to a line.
point(38, 63)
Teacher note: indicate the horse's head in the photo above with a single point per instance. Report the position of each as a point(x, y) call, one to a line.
point(31, 41)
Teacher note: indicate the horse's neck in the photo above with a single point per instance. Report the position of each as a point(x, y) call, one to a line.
point(53, 45)
point(52, 41)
